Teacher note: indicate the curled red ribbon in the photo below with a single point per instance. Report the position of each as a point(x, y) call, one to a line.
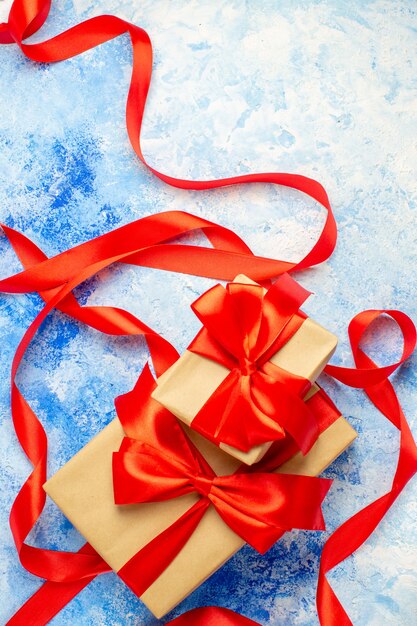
point(56, 278)
point(26, 16)
point(258, 401)
point(374, 380)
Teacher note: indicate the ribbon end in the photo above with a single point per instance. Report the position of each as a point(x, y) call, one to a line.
point(325, 484)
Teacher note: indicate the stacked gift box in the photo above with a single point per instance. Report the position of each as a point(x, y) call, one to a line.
point(239, 407)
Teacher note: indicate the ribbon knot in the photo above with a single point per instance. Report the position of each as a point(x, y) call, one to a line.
point(257, 402)
point(202, 484)
point(247, 367)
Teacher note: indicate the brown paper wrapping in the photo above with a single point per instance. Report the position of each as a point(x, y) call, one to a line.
point(83, 490)
point(186, 386)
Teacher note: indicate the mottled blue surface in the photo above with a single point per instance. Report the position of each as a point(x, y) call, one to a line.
point(327, 89)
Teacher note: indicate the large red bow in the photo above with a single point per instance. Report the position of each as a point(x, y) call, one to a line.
point(258, 506)
point(258, 401)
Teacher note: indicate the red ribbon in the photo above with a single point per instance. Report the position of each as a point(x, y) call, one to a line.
point(258, 506)
point(212, 616)
point(26, 16)
point(374, 380)
point(141, 473)
point(258, 401)
point(56, 278)
point(26, 422)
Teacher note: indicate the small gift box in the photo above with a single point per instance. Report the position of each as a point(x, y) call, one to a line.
point(165, 508)
point(242, 381)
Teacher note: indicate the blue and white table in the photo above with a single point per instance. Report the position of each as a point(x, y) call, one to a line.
point(328, 90)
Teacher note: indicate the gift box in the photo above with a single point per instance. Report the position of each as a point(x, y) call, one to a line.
point(188, 386)
point(83, 489)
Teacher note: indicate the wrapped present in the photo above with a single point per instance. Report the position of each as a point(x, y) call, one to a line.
point(242, 381)
point(165, 507)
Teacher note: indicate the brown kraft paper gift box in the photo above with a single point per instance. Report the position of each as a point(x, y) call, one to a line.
point(83, 490)
point(187, 385)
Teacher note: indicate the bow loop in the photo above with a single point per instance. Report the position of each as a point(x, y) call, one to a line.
point(259, 507)
point(244, 319)
point(144, 473)
point(218, 311)
point(246, 302)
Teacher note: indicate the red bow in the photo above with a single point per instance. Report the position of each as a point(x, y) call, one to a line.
point(258, 401)
point(257, 506)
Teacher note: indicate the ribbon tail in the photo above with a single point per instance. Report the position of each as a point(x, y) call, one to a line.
point(47, 602)
point(299, 422)
point(246, 425)
point(148, 564)
point(231, 416)
point(216, 419)
point(136, 409)
point(50, 599)
point(280, 406)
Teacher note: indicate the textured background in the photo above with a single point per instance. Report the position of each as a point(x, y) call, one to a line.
point(326, 89)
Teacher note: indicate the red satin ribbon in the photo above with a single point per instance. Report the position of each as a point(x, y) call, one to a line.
point(161, 463)
point(26, 16)
point(145, 420)
point(212, 616)
point(373, 379)
point(230, 257)
point(258, 401)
